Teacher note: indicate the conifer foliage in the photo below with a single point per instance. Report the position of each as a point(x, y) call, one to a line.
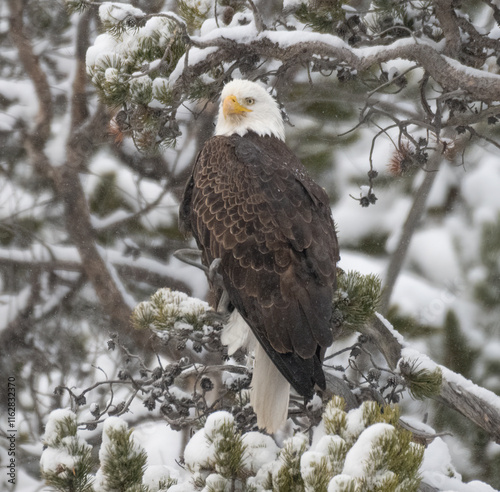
point(362, 450)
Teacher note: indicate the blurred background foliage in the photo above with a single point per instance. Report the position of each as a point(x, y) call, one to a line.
point(54, 326)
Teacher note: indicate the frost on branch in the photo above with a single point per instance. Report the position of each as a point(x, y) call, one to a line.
point(218, 453)
point(168, 309)
point(363, 450)
point(129, 65)
point(174, 316)
point(67, 464)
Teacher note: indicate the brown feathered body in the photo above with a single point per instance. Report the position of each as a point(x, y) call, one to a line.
point(251, 203)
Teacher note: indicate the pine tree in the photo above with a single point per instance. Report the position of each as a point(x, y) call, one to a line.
point(66, 463)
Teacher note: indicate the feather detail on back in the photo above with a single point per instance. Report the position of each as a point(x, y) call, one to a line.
point(252, 204)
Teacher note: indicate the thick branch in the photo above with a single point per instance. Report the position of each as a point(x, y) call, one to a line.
point(82, 235)
point(477, 404)
point(79, 110)
point(449, 73)
point(66, 179)
point(129, 271)
point(31, 64)
point(448, 22)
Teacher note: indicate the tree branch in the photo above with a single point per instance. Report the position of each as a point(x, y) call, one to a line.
point(31, 64)
point(448, 22)
point(79, 110)
point(449, 73)
point(479, 405)
point(416, 212)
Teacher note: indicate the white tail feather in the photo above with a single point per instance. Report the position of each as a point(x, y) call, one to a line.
point(237, 334)
point(270, 390)
point(270, 393)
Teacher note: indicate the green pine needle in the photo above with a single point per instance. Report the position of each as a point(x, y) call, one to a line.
point(357, 298)
point(422, 383)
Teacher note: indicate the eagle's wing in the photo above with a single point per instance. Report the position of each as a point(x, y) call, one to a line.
point(251, 203)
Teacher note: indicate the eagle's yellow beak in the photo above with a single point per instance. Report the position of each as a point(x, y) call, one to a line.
point(232, 106)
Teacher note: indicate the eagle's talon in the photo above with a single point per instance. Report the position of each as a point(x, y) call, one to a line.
point(213, 275)
point(223, 304)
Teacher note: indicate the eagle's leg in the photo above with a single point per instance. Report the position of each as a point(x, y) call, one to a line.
point(215, 278)
point(191, 257)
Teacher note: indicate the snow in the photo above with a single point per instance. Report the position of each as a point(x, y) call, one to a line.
point(340, 483)
point(413, 294)
point(358, 456)
point(473, 72)
point(433, 253)
point(354, 423)
point(115, 12)
point(19, 203)
point(438, 471)
point(288, 4)
point(355, 222)
point(216, 420)
point(52, 427)
point(460, 383)
point(103, 46)
point(182, 304)
point(60, 455)
point(11, 306)
point(25, 106)
point(174, 268)
point(197, 451)
point(196, 55)
point(260, 449)
point(309, 463)
point(53, 460)
point(137, 194)
point(286, 39)
point(155, 474)
point(457, 382)
point(200, 449)
point(480, 187)
point(153, 436)
point(439, 274)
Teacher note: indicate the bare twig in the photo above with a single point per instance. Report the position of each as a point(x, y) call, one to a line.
point(259, 22)
point(409, 227)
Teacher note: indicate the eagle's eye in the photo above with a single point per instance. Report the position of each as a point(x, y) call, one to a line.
point(249, 101)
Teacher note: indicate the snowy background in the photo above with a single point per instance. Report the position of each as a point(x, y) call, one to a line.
point(55, 331)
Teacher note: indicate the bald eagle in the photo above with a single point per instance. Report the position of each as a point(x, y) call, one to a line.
point(252, 207)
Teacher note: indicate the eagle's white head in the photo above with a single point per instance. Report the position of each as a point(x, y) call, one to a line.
point(246, 106)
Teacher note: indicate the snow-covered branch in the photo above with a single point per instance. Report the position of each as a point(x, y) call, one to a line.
point(239, 45)
point(479, 405)
point(332, 52)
